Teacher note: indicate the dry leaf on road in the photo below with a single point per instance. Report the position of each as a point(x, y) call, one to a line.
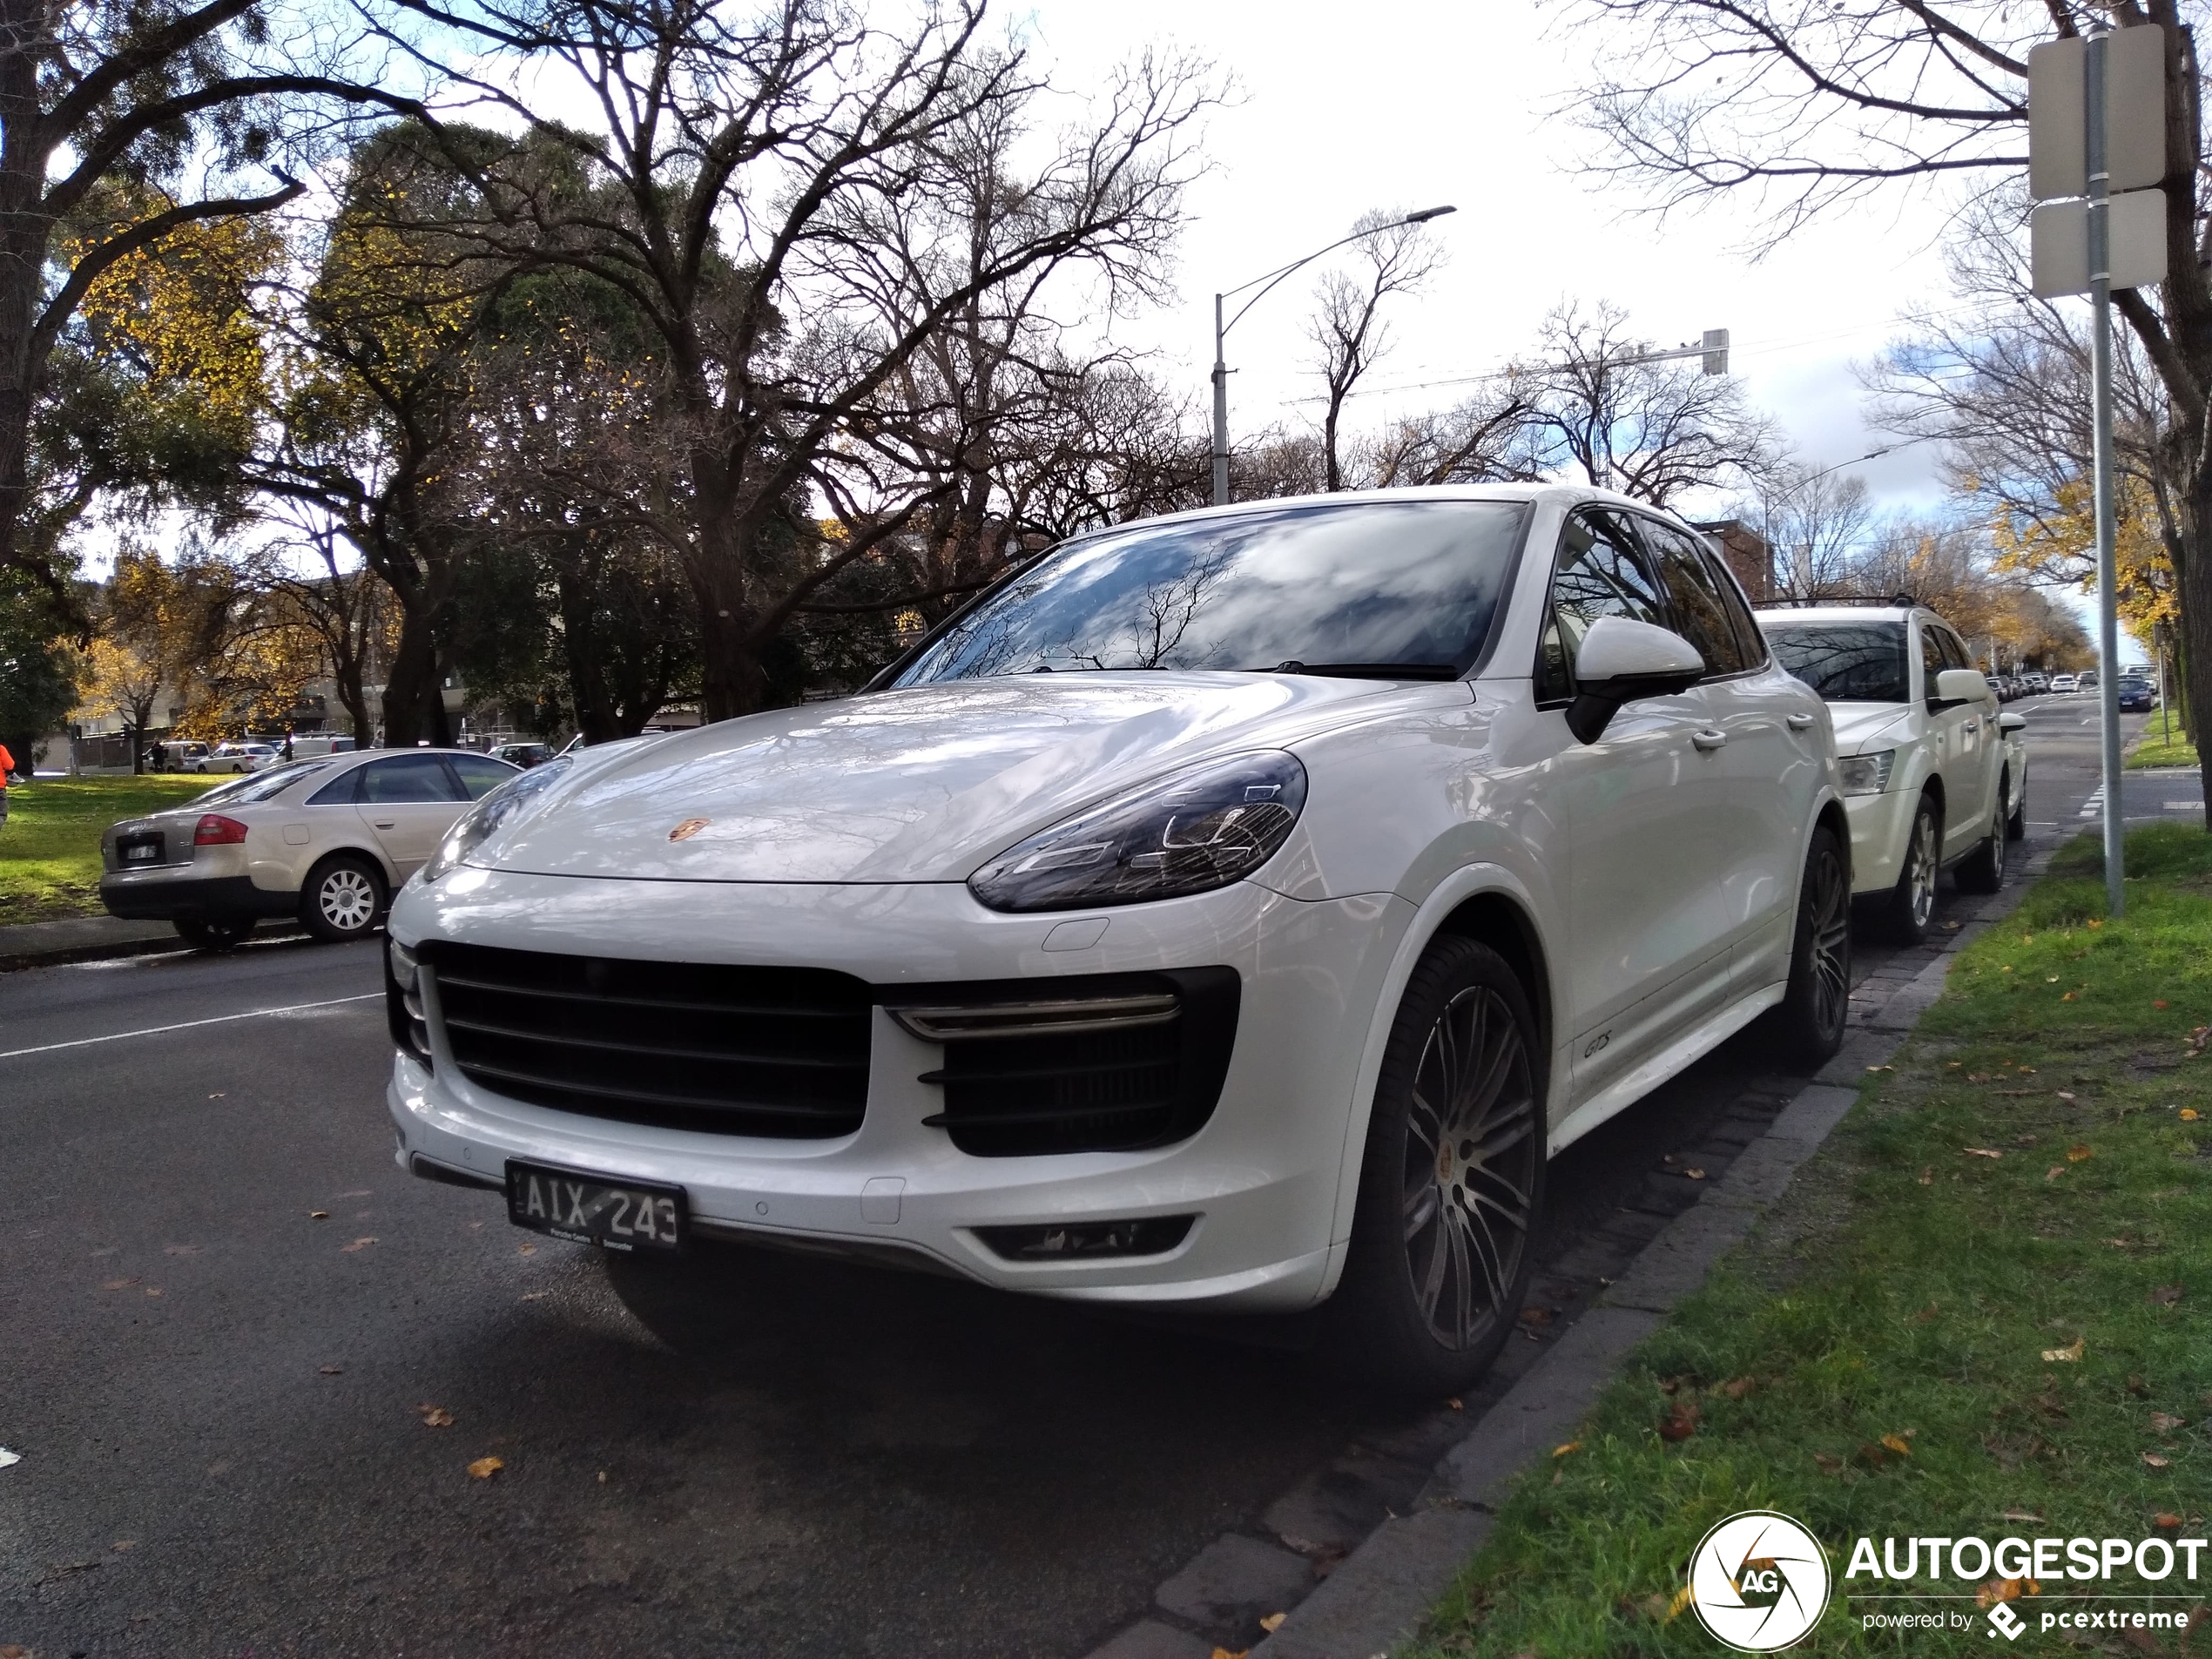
point(484, 1467)
point(2072, 1351)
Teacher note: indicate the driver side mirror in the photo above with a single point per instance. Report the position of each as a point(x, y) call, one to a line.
point(1618, 661)
point(1960, 686)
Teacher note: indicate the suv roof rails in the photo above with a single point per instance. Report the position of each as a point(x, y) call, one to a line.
point(1887, 601)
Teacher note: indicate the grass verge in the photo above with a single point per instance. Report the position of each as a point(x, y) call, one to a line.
point(2033, 1179)
point(50, 847)
point(2164, 744)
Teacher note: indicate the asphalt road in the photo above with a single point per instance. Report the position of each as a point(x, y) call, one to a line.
point(219, 1397)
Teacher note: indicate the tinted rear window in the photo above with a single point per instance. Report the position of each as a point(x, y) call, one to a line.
point(1846, 662)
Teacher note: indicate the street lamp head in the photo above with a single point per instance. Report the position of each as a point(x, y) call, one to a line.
point(1426, 214)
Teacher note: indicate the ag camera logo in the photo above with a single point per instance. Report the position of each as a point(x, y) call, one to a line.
point(1759, 1582)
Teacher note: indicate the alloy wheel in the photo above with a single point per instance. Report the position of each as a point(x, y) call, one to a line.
point(347, 899)
point(1923, 854)
point(1470, 1167)
point(1831, 907)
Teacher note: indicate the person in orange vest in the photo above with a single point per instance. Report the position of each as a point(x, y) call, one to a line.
point(7, 765)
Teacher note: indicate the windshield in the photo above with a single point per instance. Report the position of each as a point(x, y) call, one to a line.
point(251, 786)
point(1374, 585)
point(1846, 662)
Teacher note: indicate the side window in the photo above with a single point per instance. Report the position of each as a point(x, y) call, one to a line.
point(342, 791)
point(409, 778)
point(1600, 572)
point(480, 774)
point(1932, 662)
point(1699, 617)
point(1739, 611)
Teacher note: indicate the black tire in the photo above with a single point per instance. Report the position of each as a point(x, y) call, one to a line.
point(2016, 820)
point(343, 898)
point(1910, 907)
point(1808, 1024)
point(1441, 1238)
point(1983, 869)
point(214, 932)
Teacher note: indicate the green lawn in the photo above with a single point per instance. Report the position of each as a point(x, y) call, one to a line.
point(1926, 1340)
point(49, 848)
point(2163, 744)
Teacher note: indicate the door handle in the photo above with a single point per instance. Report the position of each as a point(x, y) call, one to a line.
point(1797, 722)
point(1708, 740)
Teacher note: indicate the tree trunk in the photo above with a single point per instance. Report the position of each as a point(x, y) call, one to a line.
point(411, 689)
point(2193, 631)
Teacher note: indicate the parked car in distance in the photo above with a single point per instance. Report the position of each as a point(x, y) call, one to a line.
point(2063, 682)
point(326, 840)
point(522, 754)
point(2137, 696)
point(1930, 778)
point(1255, 963)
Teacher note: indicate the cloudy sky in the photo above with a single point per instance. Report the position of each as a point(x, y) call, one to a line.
point(1411, 103)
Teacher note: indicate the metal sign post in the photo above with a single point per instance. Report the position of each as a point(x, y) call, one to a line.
point(2097, 125)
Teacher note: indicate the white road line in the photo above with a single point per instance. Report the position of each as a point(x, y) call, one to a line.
point(186, 1025)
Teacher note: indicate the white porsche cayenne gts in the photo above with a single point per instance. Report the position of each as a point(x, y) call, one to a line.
point(1233, 910)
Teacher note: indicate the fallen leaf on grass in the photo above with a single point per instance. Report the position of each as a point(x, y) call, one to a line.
point(1273, 1623)
point(435, 1417)
point(484, 1467)
point(2077, 1152)
point(330, 1371)
point(358, 1243)
point(2166, 1422)
point(2166, 1295)
point(1981, 1152)
point(2156, 1461)
point(2072, 1351)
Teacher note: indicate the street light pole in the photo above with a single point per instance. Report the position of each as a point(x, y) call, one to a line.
point(1221, 332)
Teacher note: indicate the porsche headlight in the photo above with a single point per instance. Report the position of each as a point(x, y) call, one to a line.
point(1867, 774)
point(492, 814)
point(1196, 831)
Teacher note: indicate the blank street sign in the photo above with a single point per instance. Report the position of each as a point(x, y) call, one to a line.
point(2135, 114)
point(2059, 240)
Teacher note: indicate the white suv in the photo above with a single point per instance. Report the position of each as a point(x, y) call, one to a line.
point(1233, 910)
point(1934, 777)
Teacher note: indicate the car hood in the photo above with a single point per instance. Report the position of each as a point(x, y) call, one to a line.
point(920, 784)
point(1859, 725)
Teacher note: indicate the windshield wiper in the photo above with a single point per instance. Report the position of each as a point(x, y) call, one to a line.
point(1369, 670)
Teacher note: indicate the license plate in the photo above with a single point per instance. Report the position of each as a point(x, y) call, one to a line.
point(596, 1209)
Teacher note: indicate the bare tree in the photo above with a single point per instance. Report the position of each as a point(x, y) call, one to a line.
point(1807, 105)
point(731, 180)
point(1392, 258)
point(1603, 408)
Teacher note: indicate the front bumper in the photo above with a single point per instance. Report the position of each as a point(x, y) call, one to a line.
point(1261, 1176)
point(1881, 826)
